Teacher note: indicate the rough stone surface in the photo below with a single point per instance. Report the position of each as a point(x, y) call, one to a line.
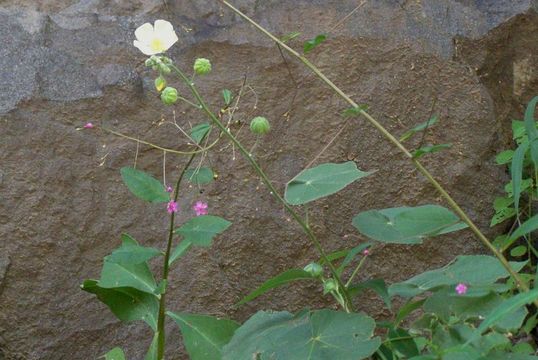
point(63, 206)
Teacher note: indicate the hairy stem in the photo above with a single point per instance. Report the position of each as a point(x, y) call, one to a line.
point(166, 268)
point(521, 284)
point(269, 184)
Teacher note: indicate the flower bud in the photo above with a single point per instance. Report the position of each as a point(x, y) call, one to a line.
point(202, 66)
point(314, 269)
point(259, 125)
point(163, 68)
point(329, 286)
point(169, 96)
point(149, 62)
point(160, 83)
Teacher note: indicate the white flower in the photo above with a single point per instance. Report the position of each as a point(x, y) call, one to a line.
point(156, 39)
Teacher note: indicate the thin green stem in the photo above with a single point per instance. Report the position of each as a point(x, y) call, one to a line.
point(356, 271)
point(166, 268)
point(267, 183)
point(521, 284)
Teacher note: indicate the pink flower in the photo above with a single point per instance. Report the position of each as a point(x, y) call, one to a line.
point(172, 207)
point(200, 208)
point(366, 252)
point(88, 126)
point(461, 289)
point(169, 189)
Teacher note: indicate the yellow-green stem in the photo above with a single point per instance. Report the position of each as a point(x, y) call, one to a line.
point(521, 284)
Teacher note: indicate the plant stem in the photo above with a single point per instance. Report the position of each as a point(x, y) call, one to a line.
point(269, 185)
point(166, 268)
point(355, 271)
point(521, 284)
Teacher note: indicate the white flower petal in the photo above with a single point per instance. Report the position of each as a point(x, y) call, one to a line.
point(146, 49)
point(144, 33)
point(169, 40)
point(162, 27)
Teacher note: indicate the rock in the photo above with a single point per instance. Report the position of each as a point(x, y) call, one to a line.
point(65, 63)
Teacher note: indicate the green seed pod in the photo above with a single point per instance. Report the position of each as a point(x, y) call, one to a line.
point(202, 66)
point(329, 285)
point(160, 83)
point(169, 96)
point(259, 125)
point(314, 269)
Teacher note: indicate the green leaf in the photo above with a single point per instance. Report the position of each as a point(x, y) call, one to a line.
point(309, 335)
point(403, 342)
point(200, 176)
point(420, 127)
point(311, 44)
point(504, 157)
point(132, 253)
point(377, 285)
point(200, 230)
point(321, 181)
point(518, 131)
point(527, 227)
point(227, 96)
point(502, 215)
point(128, 304)
point(406, 225)
point(114, 354)
point(473, 270)
point(204, 336)
point(288, 37)
point(525, 184)
point(517, 173)
point(153, 348)
point(407, 309)
point(518, 251)
point(144, 186)
point(504, 309)
point(279, 280)
point(179, 251)
point(138, 276)
point(199, 132)
point(532, 132)
point(354, 111)
point(430, 149)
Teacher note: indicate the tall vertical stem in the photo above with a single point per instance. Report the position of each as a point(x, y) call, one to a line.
point(166, 268)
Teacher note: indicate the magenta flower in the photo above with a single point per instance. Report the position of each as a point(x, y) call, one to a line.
point(200, 208)
point(169, 189)
point(88, 126)
point(461, 289)
point(172, 207)
point(366, 252)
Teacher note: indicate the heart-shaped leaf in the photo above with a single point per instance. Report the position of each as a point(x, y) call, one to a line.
point(320, 181)
point(204, 336)
point(200, 176)
point(468, 269)
point(309, 335)
point(132, 253)
point(407, 225)
point(200, 230)
point(128, 304)
point(144, 186)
